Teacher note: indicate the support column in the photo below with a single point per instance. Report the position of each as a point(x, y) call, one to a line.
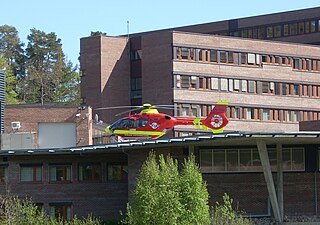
point(263, 153)
point(280, 180)
point(191, 150)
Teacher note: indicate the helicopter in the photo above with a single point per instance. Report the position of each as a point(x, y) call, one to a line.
point(149, 123)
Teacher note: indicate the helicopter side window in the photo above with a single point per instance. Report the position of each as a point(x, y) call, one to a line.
point(140, 123)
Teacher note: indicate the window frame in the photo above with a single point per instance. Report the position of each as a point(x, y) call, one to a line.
point(82, 164)
point(34, 172)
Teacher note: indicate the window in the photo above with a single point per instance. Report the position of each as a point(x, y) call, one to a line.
point(230, 57)
point(277, 31)
point(252, 86)
point(285, 30)
point(293, 159)
point(243, 58)
point(61, 173)
point(31, 173)
point(136, 55)
point(250, 113)
point(293, 28)
point(60, 211)
point(313, 26)
point(3, 174)
point(184, 53)
point(301, 28)
point(307, 27)
point(223, 57)
point(269, 32)
point(118, 172)
point(224, 84)
point(214, 83)
point(248, 160)
point(89, 172)
point(136, 88)
point(266, 114)
point(261, 33)
point(296, 63)
point(213, 55)
point(185, 83)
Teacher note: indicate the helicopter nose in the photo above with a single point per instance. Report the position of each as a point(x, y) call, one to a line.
point(108, 130)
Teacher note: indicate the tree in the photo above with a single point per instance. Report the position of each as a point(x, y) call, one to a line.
point(164, 196)
point(11, 82)
point(11, 49)
point(44, 64)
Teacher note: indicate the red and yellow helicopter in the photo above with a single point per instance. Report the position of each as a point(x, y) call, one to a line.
point(149, 123)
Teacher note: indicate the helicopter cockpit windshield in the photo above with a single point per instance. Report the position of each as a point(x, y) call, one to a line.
point(128, 123)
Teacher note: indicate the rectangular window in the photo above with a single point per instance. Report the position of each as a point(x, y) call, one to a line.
point(251, 58)
point(296, 63)
point(295, 116)
point(214, 83)
point(307, 27)
point(230, 57)
point(61, 173)
point(224, 84)
point(285, 30)
point(185, 81)
point(261, 33)
point(252, 86)
point(89, 172)
point(219, 160)
point(118, 172)
point(236, 85)
point(293, 29)
point(230, 85)
point(266, 114)
point(244, 86)
point(277, 31)
point(243, 58)
point(265, 87)
point(301, 28)
point(31, 173)
point(250, 113)
point(269, 32)
point(199, 53)
point(213, 56)
point(313, 26)
point(184, 53)
point(223, 57)
point(60, 211)
point(206, 160)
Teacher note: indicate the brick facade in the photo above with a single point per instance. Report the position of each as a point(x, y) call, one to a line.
point(30, 116)
point(104, 199)
point(109, 71)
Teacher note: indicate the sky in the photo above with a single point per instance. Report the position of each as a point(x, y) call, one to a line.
point(71, 20)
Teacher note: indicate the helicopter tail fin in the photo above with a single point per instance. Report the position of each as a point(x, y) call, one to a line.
point(216, 120)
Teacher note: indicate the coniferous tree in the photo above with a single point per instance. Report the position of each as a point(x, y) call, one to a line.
point(44, 64)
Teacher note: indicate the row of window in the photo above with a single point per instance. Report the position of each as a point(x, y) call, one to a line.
point(248, 160)
point(63, 172)
point(249, 86)
point(244, 58)
point(279, 30)
point(250, 113)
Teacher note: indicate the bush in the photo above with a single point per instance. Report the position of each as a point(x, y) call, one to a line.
point(164, 196)
point(225, 214)
point(13, 211)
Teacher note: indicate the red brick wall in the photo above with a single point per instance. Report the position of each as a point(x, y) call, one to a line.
point(102, 199)
point(31, 115)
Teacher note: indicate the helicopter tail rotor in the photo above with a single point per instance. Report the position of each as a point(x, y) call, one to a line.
point(217, 118)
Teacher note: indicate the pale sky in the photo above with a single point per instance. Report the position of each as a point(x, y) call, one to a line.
point(73, 19)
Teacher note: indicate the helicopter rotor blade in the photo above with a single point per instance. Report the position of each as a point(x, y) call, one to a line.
point(117, 107)
point(128, 111)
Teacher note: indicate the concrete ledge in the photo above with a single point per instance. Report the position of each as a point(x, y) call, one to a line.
point(299, 223)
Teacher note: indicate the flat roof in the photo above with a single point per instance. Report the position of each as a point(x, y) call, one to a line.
point(215, 140)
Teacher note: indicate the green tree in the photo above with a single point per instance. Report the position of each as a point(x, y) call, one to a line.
point(162, 194)
point(11, 49)
point(11, 82)
point(68, 89)
point(44, 64)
